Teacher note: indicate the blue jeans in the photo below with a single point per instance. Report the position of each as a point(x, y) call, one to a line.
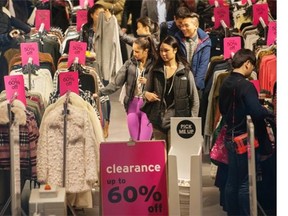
point(237, 185)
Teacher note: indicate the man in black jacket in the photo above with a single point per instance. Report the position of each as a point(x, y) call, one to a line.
point(238, 98)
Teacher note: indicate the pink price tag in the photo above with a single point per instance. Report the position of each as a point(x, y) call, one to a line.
point(29, 50)
point(44, 1)
point(68, 81)
point(221, 13)
point(14, 86)
point(81, 18)
point(220, 2)
point(133, 178)
point(42, 16)
point(272, 33)
point(260, 10)
point(231, 46)
point(77, 49)
point(89, 2)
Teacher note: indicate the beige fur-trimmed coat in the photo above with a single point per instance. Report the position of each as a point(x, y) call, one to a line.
point(81, 149)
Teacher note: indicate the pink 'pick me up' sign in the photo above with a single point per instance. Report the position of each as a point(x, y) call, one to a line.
point(68, 81)
point(14, 86)
point(231, 46)
point(221, 13)
point(260, 10)
point(42, 16)
point(77, 50)
point(81, 18)
point(29, 50)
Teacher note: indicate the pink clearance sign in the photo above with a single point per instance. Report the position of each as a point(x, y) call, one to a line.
point(81, 18)
point(14, 86)
point(77, 50)
point(133, 178)
point(221, 13)
point(68, 81)
point(42, 16)
point(231, 46)
point(29, 50)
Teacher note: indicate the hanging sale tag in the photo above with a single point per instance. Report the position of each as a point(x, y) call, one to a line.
point(260, 11)
point(68, 81)
point(81, 18)
point(29, 50)
point(272, 33)
point(42, 16)
point(14, 86)
point(231, 46)
point(133, 178)
point(221, 13)
point(77, 49)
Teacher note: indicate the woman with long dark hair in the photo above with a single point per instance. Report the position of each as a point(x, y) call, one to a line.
point(170, 85)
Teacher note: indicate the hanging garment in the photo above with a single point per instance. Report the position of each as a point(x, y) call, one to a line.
point(28, 137)
point(107, 47)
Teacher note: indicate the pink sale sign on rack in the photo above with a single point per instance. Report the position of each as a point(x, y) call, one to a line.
point(14, 87)
point(77, 51)
point(81, 18)
point(231, 46)
point(29, 51)
point(68, 81)
point(272, 33)
point(221, 14)
point(133, 178)
point(42, 16)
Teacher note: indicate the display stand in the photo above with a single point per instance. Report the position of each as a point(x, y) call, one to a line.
point(15, 181)
point(186, 145)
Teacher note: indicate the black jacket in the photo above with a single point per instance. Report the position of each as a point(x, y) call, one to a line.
point(186, 98)
point(239, 92)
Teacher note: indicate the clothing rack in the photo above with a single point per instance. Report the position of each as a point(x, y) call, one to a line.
point(65, 113)
point(15, 181)
point(225, 27)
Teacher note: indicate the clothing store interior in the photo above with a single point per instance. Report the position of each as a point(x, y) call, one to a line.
point(138, 107)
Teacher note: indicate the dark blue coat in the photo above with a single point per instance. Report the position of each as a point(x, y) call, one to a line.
point(201, 56)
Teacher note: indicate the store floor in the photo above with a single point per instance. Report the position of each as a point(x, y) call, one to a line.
point(118, 131)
